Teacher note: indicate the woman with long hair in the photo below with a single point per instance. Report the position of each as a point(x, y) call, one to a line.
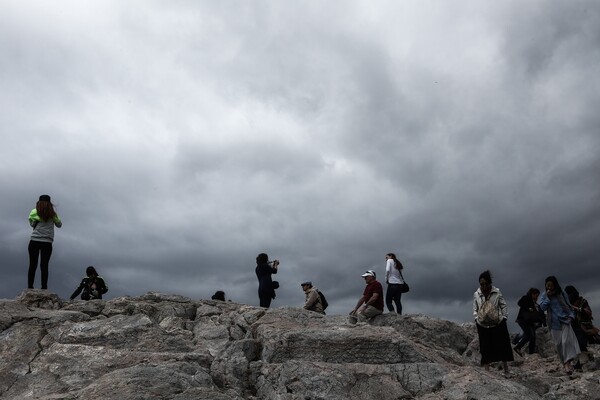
point(560, 315)
point(43, 218)
point(491, 312)
point(91, 287)
point(394, 280)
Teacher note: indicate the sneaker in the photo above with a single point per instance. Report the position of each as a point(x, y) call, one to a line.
point(518, 351)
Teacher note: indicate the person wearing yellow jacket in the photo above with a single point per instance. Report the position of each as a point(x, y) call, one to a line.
point(43, 218)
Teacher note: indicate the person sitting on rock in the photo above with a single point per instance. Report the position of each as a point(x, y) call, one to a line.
point(91, 287)
point(371, 302)
point(313, 298)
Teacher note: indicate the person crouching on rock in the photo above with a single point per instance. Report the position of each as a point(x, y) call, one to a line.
point(91, 287)
point(313, 299)
point(371, 302)
point(219, 295)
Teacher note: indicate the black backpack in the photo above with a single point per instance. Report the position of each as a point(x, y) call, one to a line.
point(323, 300)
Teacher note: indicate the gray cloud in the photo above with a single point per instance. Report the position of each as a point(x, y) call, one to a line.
point(181, 139)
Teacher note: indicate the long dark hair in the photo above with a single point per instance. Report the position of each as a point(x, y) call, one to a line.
point(397, 262)
point(45, 210)
point(532, 291)
point(486, 276)
point(553, 279)
point(91, 272)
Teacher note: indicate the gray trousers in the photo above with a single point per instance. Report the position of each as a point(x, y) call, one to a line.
point(363, 314)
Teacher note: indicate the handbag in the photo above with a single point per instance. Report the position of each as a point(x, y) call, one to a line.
point(488, 315)
point(404, 288)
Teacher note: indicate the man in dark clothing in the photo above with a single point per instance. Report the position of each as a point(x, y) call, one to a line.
point(371, 302)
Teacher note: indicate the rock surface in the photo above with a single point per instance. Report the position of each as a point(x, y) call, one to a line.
point(161, 346)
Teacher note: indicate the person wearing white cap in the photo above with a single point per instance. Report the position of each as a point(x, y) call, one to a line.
point(371, 302)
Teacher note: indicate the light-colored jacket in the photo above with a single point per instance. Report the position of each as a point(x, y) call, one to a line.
point(313, 300)
point(495, 298)
point(43, 231)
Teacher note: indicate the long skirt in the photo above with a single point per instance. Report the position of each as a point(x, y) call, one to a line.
point(566, 343)
point(494, 343)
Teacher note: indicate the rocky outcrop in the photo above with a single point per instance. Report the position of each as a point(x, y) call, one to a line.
point(161, 346)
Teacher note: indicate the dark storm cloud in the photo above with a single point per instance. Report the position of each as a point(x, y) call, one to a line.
point(181, 139)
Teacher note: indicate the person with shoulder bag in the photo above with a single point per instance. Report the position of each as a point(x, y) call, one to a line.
point(491, 312)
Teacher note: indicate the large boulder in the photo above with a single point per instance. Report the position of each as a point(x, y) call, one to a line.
point(172, 347)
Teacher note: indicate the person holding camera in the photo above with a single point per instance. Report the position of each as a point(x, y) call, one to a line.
point(266, 286)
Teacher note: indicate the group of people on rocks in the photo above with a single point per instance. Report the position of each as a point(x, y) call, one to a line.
point(370, 304)
point(567, 315)
point(43, 218)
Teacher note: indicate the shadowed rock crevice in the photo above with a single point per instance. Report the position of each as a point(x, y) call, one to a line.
point(172, 347)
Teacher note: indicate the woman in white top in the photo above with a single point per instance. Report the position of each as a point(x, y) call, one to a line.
point(393, 278)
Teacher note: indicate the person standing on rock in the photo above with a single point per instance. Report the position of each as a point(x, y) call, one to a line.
point(394, 280)
point(264, 270)
point(491, 312)
point(313, 298)
point(371, 302)
point(560, 316)
point(43, 218)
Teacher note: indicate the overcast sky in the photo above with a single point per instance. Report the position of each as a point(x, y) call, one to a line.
point(179, 139)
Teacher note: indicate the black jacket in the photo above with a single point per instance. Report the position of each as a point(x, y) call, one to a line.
point(265, 283)
point(92, 288)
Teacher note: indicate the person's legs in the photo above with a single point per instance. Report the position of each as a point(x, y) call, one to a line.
point(265, 300)
point(34, 252)
point(398, 301)
point(389, 295)
point(525, 337)
point(368, 313)
point(532, 340)
point(393, 296)
point(46, 250)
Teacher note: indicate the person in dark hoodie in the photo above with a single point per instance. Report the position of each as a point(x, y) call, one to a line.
point(43, 218)
point(264, 270)
point(529, 318)
point(91, 287)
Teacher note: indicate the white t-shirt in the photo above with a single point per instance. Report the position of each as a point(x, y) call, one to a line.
point(392, 274)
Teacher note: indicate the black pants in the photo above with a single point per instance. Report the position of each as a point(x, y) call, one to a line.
point(265, 299)
point(527, 336)
point(36, 248)
point(581, 336)
point(393, 295)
